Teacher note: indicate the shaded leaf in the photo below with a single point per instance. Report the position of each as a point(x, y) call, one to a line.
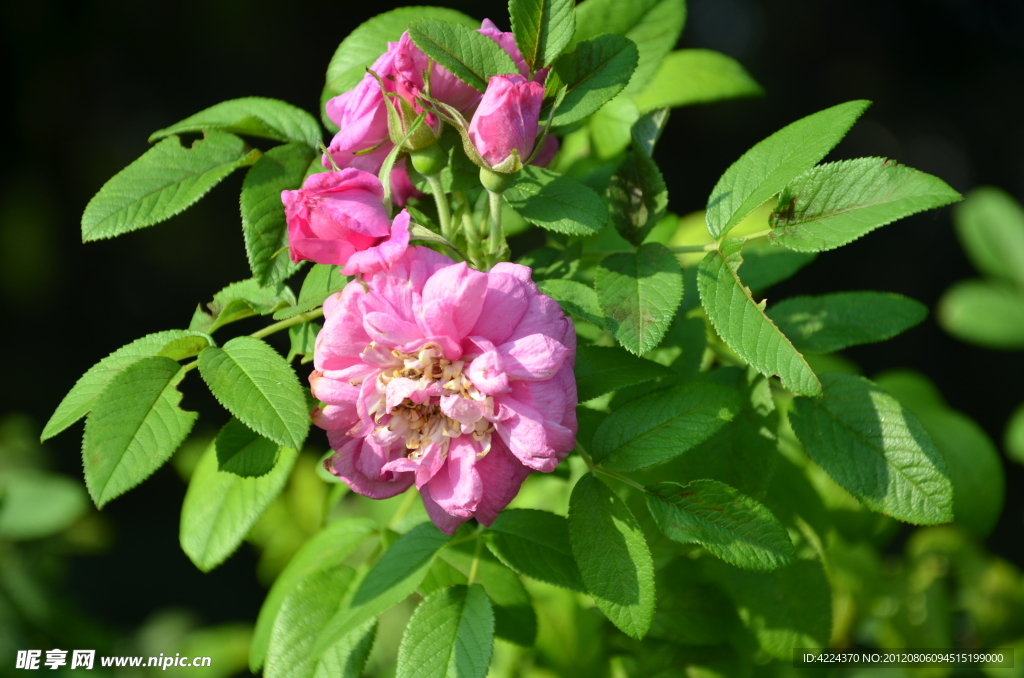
point(875, 449)
point(536, 544)
point(729, 524)
point(612, 556)
point(220, 507)
point(263, 221)
point(322, 281)
point(241, 300)
point(602, 369)
point(243, 452)
point(663, 424)
point(832, 322)
point(575, 298)
point(34, 504)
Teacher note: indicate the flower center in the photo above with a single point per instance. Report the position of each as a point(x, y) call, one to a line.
point(409, 404)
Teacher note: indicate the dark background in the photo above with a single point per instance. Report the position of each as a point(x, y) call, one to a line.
point(87, 82)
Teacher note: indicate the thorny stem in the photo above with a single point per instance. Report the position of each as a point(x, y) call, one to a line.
point(469, 229)
point(285, 324)
point(444, 213)
point(270, 329)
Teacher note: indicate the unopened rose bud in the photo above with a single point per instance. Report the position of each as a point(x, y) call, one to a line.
point(505, 125)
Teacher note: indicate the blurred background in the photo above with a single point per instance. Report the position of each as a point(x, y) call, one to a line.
point(88, 81)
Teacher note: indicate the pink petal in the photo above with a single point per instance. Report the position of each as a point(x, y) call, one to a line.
point(535, 357)
point(503, 475)
point(452, 299)
point(504, 304)
point(445, 521)
point(351, 456)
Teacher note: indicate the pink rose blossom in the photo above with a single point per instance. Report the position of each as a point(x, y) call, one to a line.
point(362, 119)
point(410, 63)
point(437, 375)
point(508, 118)
point(339, 218)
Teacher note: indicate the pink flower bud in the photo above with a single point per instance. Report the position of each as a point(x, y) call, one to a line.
point(338, 218)
point(453, 380)
point(507, 119)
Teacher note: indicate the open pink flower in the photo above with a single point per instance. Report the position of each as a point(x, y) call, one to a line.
point(454, 380)
point(338, 218)
point(507, 119)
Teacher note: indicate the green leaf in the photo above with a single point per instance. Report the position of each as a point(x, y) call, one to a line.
point(785, 609)
point(134, 427)
point(241, 300)
point(556, 202)
point(80, 399)
point(325, 550)
point(34, 505)
point(729, 524)
point(612, 555)
point(637, 195)
point(395, 576)
point(575, 298)
point(253, 382)
point(251, 116)
point(370, 40)
point(470, 56)
point(304, 611)
point(654, 25)
point(536, 544)
point(766, 168)
point(875, 449)
point(990, 224)
point(975, 469)
point(243, 452)
point(543, 28)
point(263, 221)
point(832, 322)
point(449, 635)
point(836, 203)
point(220, 507)
point(663, 424)
point(593, 73)
point(165, 180)
point(696, 76)
point(514, 617)
point(639, 294)
point(765, 265)
point(743, 325)
point(985, 312)
point(303, 341)
point(611, 126)
point(322, 281)
point(1014, 436)
point(602, 369)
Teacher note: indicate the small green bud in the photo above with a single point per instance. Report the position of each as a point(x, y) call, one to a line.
point(495, 182)
point(430, 160)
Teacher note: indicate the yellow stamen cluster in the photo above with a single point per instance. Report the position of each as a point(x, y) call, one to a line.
point(421, 423)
